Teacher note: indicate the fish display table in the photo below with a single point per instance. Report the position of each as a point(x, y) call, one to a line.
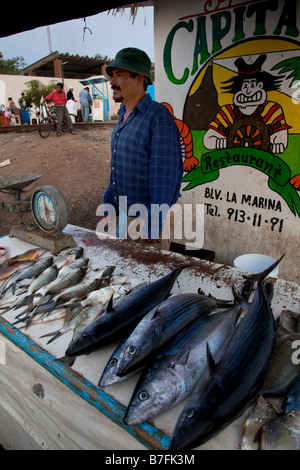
point(46, 404)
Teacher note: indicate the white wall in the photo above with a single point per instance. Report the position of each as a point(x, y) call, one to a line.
point(14, 85)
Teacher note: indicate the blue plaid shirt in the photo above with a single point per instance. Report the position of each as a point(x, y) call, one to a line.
point(146, 163)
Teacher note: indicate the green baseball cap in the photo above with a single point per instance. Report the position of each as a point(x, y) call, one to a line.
point(132, 59)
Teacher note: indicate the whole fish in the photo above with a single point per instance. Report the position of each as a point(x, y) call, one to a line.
point(43, 304)
point(288, 322)
point(65, 279)
point(118, 321)
point(7, 271)
point(232, 383)
point(90, 315)
point(283, 433)
point(42, 280)
point(30, 272)
point(173, 375)
point(74, 253)
point(76, 321)
point(262, 412)
point(76, 291)
point(160, 325)
point(29, 255)
point(283, 370)
point(109, 375)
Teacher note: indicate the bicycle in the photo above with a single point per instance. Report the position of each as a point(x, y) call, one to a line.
point(46, 124)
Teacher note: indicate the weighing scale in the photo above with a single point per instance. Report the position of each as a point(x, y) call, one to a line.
point(48, 209)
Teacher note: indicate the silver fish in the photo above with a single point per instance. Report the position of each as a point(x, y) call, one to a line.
point(262, 412)
point(7, 271)
point(76, 321)
point(30, 272)
point(160, 325)
point(109, 375)
point(42, 280)
point(282, 433)
point(173, 375)
point(75, 252)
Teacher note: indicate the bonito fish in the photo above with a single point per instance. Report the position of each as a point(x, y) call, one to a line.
point(174, 373)
point(235, 380)
point(118, 321)
point(160, 325)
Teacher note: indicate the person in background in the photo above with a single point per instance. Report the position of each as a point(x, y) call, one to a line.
point(12, 109)
point(70, 95)
point(85, 102)
point(59, 99)
point(146, 163)
point(22, 102)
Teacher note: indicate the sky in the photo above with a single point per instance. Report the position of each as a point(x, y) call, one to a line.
point(108, 35)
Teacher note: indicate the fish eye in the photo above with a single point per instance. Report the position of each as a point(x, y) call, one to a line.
point(143, 396)
point(113, 362)
point(190, 413)
point(132, 350)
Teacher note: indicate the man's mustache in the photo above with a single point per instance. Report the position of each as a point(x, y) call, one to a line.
point(114, 87)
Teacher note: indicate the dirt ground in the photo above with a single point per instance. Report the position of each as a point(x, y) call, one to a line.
point(78, 165)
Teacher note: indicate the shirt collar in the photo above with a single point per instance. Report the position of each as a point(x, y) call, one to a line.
point(141, 106)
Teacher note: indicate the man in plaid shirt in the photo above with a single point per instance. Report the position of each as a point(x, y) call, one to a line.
point(146, 163)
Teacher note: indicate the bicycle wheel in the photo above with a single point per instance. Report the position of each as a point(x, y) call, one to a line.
point(45, 127)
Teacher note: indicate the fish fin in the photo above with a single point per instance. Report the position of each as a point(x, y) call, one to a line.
point(247, 289)
point(182, 359)
point(110, 304)
point(269, 288)
point(237, 297)
point(69, 361)
point(260, 276)
point(211, 365)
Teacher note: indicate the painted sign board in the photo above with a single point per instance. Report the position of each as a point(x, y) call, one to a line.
point(229, 72)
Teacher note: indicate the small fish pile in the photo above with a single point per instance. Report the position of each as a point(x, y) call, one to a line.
point(60, 287)
point(274, 422)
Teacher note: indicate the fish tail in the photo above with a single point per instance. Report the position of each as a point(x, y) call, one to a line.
point(69, 361)
point(53, 333)
point(260, 276)
point(54, 337)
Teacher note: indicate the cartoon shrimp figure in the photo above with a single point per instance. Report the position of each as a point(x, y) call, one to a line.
point(186, 137)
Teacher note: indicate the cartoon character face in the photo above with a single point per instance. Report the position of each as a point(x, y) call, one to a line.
point(250, 96)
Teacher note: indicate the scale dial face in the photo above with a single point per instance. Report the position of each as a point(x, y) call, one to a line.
point(49, 209)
